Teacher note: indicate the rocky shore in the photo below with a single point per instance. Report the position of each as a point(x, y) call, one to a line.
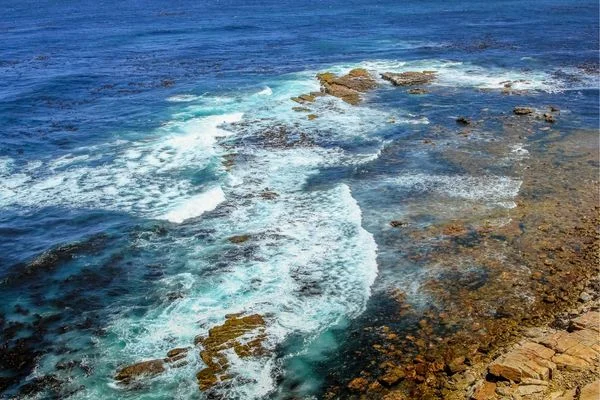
point(525, 323)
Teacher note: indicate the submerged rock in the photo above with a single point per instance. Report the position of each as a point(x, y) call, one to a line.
point(409, 78)
point(398, 224)
point(417, 91)
point(239, 239)
point(463, 121)
point(549, 118)
point(523, 110)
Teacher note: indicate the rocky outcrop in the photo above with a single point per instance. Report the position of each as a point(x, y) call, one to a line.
point(140, 370)
point(242, 334)
point(530, 367)
point(347, 87)
point(523, 110)
point(148, 369)
point(409, 78)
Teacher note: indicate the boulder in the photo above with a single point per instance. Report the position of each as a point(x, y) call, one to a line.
point(549, 118)
point(463, 121)
point(409, 78)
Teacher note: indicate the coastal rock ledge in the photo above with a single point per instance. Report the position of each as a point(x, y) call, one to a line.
point(409, 78)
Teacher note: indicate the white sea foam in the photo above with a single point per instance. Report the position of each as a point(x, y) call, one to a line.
point(142, 177)
point(183, 98)
point(499, 190)
point(196, 205)
point(265, 92)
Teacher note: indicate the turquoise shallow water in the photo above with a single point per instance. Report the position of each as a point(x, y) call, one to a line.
point(117, 121)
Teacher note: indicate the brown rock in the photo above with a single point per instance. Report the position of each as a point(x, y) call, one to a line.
point(177, 351)
point(392, 376)
point(528, 390)
point(397, 224)
point(409, 78)
point(531, 360)
point(417, 91)
point(312, 116)
point(229, 336)
point(549, 118)
point(395, 396)
point(570, 363)
point(589, 320)
point(485, 391)
point(590, 391)
point(523, 110)
point(358, 384)
point(239, 239)
point(347, 87)
point(140, 370)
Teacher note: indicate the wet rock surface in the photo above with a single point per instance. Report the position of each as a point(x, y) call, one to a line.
point(409, 78)
point(243, 334)
point(347, 87)
point(532, 267)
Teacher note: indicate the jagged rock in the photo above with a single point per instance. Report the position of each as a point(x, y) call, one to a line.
point(530, 360)
point(243, 334)
point(304, 98)
point(549, 118)
point(409, 78)
point(392, 376)
point(486, 391)
point(590, 391)
point(139, 370)
point(347, 87)
point(177, 354)
point(358, 384)
point(589, 320)
point(523, 110)
point(417, 91)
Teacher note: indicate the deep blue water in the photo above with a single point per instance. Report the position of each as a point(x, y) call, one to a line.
point(111, 162)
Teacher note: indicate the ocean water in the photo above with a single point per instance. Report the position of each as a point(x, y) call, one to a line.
point(138, 137)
